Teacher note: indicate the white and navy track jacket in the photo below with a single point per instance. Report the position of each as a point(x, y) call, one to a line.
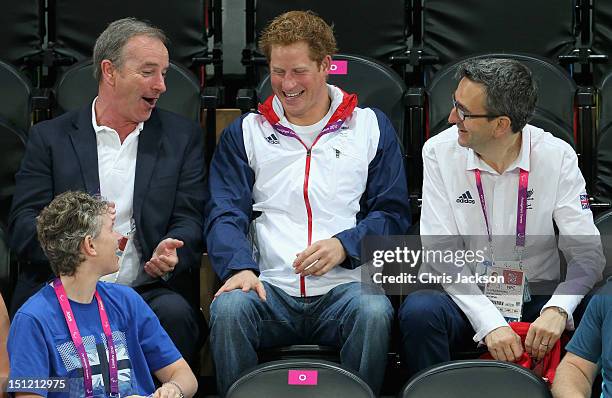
point(269, 196)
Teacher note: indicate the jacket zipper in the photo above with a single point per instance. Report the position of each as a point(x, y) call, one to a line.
point(309, 214)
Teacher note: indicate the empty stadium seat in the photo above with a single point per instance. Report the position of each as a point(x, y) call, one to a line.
point(77, 87)
point(299, 378)
point(475, 379)
point(8, 272)
point(12, 149)
point(74, 26)
point(446, 30)
point(15, 98)
point(602, 37)
point(603, 222)
point(15, 120)
point(603, 182)
point(22, 29)
point(386, 34)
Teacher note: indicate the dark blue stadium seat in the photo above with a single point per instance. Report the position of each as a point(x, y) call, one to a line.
point(15, 120)
point(276, 379)
point(74, 26)
point(475, 379)
point(603, 166)
point(446, 30)
point(362, 28)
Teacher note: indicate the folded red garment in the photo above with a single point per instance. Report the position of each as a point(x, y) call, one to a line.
point(547, 367)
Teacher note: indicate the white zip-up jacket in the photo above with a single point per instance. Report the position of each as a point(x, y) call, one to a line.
point(269, 196)
point(556, 192)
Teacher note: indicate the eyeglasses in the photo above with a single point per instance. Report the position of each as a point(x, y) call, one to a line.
point(462, 115)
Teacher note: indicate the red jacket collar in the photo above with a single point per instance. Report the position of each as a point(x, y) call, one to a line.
point(343, 111)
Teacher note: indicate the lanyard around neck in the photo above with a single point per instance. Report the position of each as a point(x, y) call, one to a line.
point(521, 206)
point(62, 297)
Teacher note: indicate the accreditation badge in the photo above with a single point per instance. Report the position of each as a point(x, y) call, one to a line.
point(506, 288)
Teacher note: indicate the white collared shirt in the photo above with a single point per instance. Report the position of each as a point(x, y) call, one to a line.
point(117, 170)
point(556, 191)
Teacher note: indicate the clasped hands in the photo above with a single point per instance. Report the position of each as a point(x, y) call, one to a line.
point(505, 345)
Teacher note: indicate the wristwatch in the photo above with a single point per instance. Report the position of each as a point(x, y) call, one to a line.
point(178, 387)
point(561, 311)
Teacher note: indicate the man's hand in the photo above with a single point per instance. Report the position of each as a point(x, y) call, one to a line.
point(544, 332)
point(320, 257)
point(504, 344)
point(245, 280)
point(164, 258)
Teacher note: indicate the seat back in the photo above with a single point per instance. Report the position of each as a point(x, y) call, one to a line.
point(375, 84)
point(22, 28)
point(602, 37)
point(15, 97)
point(77, 87)
point(12, 149)
point(388, 28)
point(475, 379)
point(299, 378)
point(15, 121)
point(603, 178)
point(74, 25)
point(8, 274)
point(456, 29)
point(554, 109)
point(603, 222)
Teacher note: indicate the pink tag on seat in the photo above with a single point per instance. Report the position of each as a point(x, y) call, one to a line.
point(339, 68)
point(303, 377)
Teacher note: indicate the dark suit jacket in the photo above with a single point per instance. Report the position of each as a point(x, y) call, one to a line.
point(61, 155)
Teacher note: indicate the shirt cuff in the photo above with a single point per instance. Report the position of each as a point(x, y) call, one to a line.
point(490, 321)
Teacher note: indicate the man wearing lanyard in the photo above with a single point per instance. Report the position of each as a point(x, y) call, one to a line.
point(493, 178)
point(81, 337)
point(292, 192)
point(148, 161)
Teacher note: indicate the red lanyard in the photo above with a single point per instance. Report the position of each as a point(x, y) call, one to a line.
point(62, 297)
point(521, 207)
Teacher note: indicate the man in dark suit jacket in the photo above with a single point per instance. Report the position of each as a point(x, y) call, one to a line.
point(119, 142)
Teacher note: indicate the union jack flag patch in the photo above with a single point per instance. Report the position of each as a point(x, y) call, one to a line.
point(584, 201)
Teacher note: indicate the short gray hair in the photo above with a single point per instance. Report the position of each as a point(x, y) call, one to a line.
point(109, 45)
point(62, 226)
point(509, 87)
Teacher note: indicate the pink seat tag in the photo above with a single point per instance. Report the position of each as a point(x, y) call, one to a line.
point(338, 68)
point(303, 377)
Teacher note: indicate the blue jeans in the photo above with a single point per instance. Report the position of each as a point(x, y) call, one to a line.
point(433, 326)
point(359, 324)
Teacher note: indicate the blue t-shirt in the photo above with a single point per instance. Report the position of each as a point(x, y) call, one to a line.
point(593, 337)
point(40, 346)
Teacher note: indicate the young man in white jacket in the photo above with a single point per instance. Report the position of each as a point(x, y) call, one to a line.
point(293, 189)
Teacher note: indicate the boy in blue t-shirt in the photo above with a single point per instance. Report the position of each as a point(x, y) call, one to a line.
point(78, 337)
point(590, 347)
